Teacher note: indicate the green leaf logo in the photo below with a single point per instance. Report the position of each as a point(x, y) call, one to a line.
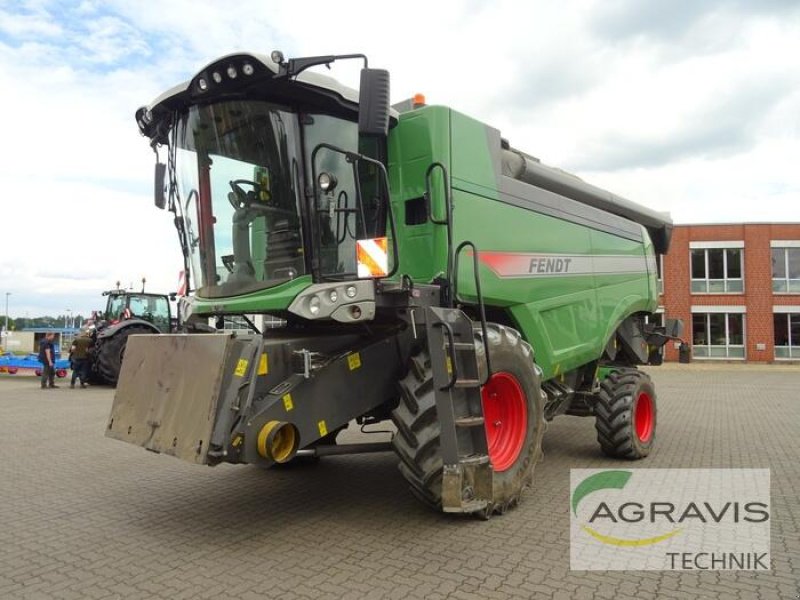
point(599, 481)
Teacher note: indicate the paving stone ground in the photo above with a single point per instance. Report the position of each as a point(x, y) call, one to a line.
point(82, 516)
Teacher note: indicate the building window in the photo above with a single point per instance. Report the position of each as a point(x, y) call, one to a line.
point(660, 271)
point(786, 270)
point(787, 335)
point(717, 271)
point(718, 335)
point(656, 318)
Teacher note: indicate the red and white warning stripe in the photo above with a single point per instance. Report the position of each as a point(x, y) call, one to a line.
point(372, 257)
point(181, 283)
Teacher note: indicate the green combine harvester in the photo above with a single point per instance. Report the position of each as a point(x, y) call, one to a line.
point(426, 273)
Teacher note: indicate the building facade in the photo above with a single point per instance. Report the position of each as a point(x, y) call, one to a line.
point(737, 289)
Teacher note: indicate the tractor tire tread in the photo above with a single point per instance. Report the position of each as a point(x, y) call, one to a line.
point(614, 413)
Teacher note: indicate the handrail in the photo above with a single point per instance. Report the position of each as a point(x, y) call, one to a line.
point(447, 221)
point(478, 293)
point(451, 353)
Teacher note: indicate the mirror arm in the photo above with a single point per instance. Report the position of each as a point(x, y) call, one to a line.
point(294, 66)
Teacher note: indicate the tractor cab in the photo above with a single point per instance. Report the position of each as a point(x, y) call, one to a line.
point(153, 308)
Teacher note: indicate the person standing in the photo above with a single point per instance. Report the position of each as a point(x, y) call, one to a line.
point(79, 357)
point(47, 356)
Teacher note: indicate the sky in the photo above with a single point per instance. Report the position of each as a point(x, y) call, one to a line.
point(686, 106)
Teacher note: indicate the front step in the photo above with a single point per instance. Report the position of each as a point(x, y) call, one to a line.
point(467, 471)
point(467, 383)
point(469, 422)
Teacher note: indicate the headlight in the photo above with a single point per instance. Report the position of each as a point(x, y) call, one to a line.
point(326, 181)
point(333, 296)
point(313, 305)
point(351, 291)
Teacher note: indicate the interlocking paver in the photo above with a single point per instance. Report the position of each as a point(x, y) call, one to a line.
point(82, 516)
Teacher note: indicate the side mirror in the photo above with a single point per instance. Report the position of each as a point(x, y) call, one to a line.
point(160, 197)
point(674, 328)
point(373, 102)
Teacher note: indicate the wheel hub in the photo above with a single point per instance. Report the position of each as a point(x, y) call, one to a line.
point(505, 412)
point(643, 417)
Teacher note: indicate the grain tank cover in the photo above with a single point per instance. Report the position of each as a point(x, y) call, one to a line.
point(528, 169)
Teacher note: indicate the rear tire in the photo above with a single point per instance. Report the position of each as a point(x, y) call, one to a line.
point(110, 351)
point(625, 414)
point(417, 442)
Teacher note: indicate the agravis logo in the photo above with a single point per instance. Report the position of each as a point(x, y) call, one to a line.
point(604, 481)
point(670, 519)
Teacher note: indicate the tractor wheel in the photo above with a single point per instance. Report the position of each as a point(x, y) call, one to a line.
point(513, 412)
point(625, 414)
point(110, 351)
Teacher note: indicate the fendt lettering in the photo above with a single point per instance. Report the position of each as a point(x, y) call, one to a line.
point(276, 175)
point(550, 265)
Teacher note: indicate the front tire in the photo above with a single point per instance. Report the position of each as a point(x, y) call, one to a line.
point(513, 409)
point(625, 414)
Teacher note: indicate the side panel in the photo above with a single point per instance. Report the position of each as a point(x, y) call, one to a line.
point(420, 138)
point(567, 273)
point(620, 295)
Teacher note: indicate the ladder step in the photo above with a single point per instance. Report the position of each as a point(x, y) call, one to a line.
point(467, 383)
point(463, 346)
point(475, 459)
point(469, 421)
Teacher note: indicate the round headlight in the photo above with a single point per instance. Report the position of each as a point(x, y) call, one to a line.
point(202, 84)
point(232, 72)
point(247, 69)
point(326, 181)
point(333, 296)
point(350, 291)
point(216, 77)
point(313, 305)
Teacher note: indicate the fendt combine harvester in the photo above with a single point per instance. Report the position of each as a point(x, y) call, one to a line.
point(427, 273)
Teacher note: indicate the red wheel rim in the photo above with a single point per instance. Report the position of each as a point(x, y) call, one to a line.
point(644, 417)
point(505, 414)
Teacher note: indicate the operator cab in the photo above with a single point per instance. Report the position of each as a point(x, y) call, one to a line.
point(274, 172)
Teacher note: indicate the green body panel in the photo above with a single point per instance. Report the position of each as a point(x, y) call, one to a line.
point(420, 139)
point(568, 319)
point(271, 299)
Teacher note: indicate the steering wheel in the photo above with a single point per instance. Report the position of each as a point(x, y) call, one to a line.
point(249, 200)
point(240, 198)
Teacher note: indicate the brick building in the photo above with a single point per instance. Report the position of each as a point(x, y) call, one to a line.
point(737, 289)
